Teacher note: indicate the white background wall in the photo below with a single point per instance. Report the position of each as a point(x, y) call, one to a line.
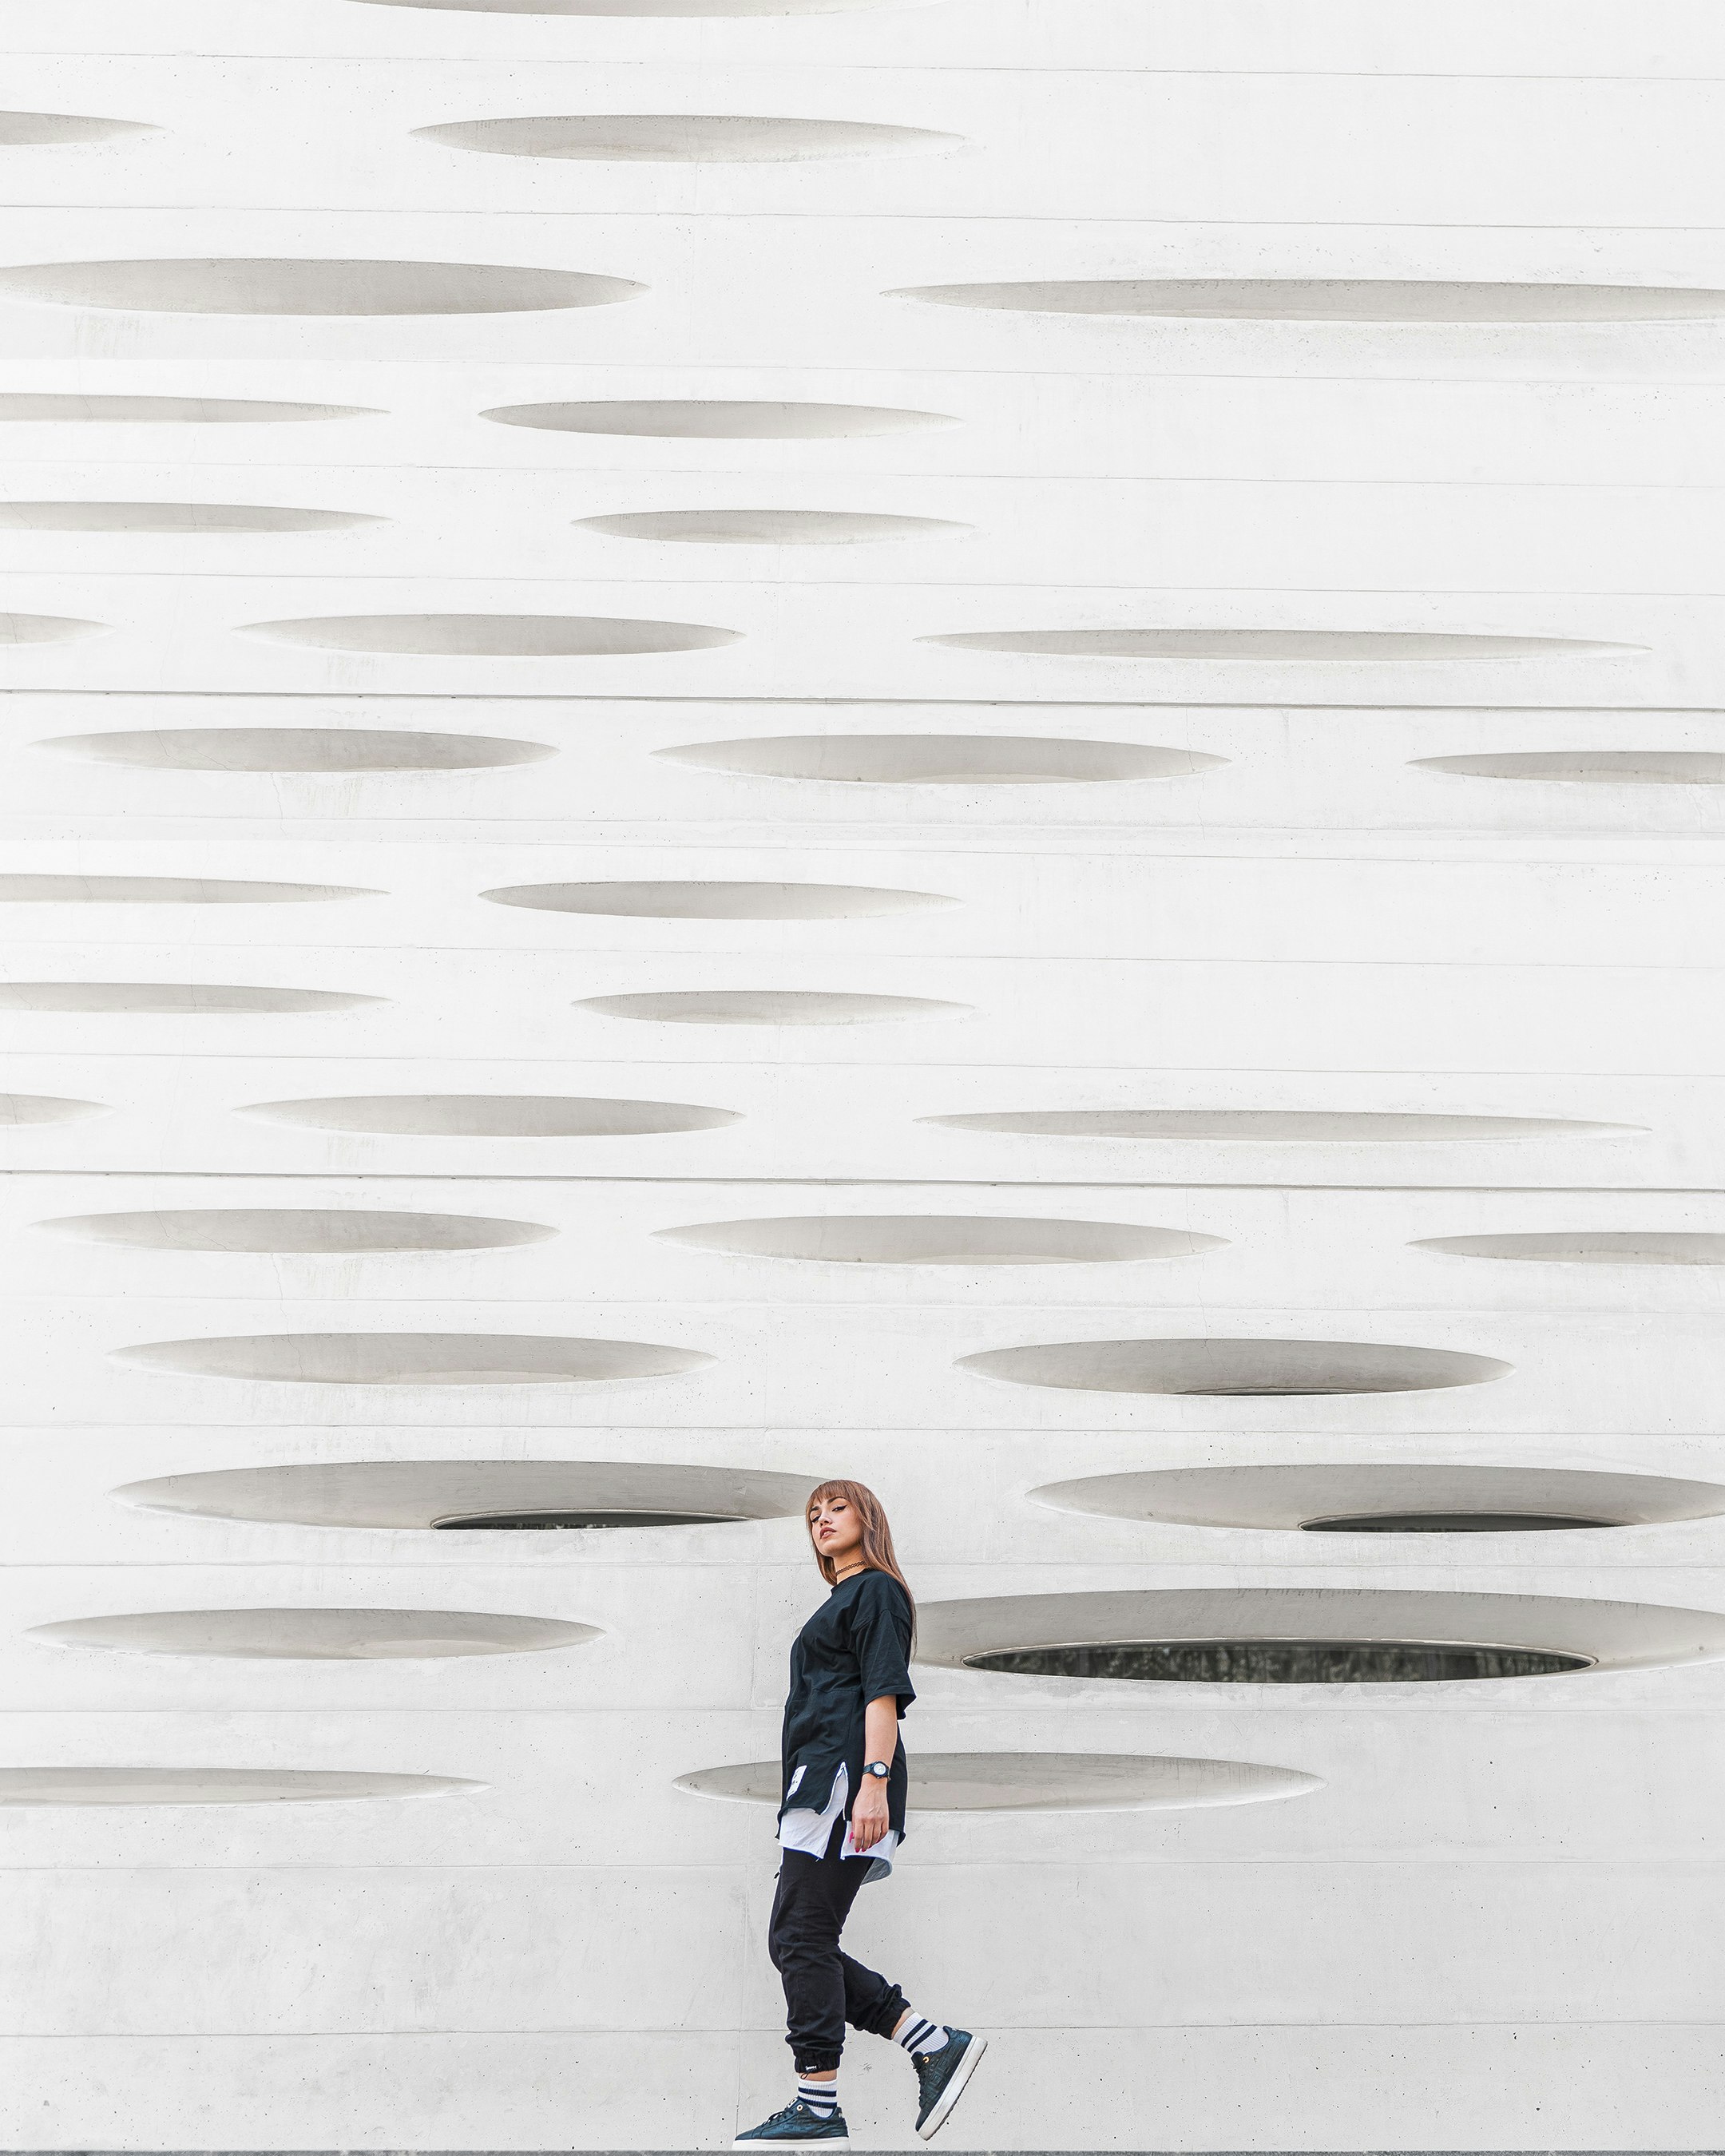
point(1495, 1924)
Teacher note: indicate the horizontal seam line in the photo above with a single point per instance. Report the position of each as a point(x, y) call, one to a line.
point(640, 960)
point(419, 1866)
point(682, 212)
point(1006, 588)
point(1629, 1193)
point(998, 703)
point(1062, 1708)
point(1588, 384)
point(635, 474)
point(851, 66)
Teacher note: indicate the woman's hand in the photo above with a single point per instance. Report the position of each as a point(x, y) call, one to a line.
point(869, 1817)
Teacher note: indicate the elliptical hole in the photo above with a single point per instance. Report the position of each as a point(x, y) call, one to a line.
point(1450, 1523)
point(540, 1522)
point(1279, 1661)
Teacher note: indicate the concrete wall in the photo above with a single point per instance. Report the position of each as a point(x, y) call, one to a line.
point(1427, 919)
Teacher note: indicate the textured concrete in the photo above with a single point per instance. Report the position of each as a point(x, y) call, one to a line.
point(975, 744)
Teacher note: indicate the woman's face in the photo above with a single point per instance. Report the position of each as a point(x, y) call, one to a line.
point(836, 1529)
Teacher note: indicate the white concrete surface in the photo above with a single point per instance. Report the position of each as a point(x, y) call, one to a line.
point(746, 743)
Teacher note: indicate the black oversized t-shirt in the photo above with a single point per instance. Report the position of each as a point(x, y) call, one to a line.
point(854, 1648)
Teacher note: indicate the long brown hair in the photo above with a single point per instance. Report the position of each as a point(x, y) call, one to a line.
point(877, 1552)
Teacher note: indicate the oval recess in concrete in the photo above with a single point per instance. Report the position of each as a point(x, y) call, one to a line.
point(686, 138)
point(33, 130)
point(18, 1109)
point(1431, 301)
point(1589, 1246)
point(1588, 766)
point(1239, 1660)
point(1235, 1370)
point(942, 759)
point(317, 1635)
point(174, 998)
point(420, 1493)
point(1045, 1782)
point(301, 285)
point(24, 888)
point(767, 527)
point(414, 1358)
point(47, 628)
point(719, 419)
point(1326, 647)
point(1605, 1635)
point(770, 1007)
point(342, 750)
point(935, 1238)
point(1297, 1497)
point(492, 635)
point(107, 410)
point(182, 519)
point(336, 1231)
point(493, 1115)
point(581, 1519)
point(1274, 1125)
point(693, 899)
point(214, 1785)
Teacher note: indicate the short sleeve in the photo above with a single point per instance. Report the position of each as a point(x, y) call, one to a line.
point(880, 1638)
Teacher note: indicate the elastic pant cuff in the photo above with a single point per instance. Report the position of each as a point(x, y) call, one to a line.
point(818, 2062)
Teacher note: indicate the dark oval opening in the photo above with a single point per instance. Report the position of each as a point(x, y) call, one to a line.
point(1450, 1523)
point(1279, 1661)
point(1294, 1392)
point(585, 1518)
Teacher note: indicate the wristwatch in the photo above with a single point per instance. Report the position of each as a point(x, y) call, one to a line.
point(878, 1767)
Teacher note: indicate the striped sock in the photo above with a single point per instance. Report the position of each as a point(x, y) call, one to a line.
point(822, 2098)
point(916, 2036)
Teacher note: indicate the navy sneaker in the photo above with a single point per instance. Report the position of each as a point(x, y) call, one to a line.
point(795, 2123)
point(943, 2076)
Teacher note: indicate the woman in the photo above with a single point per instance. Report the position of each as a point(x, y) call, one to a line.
point(842, 1816)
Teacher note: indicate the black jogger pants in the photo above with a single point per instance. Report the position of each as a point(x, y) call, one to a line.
point(824, 1988)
